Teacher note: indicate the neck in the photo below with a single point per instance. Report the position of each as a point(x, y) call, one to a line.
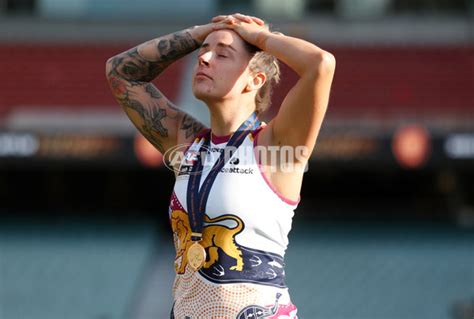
point(226, 120)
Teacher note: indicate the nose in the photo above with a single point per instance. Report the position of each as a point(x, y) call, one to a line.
point(205, 58)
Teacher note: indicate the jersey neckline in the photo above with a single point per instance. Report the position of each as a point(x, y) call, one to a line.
point(216, 139)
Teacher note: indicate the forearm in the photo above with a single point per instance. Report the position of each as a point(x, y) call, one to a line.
point(301, 56)
point(146, 61)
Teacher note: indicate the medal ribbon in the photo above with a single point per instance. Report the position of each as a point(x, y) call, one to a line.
point(197, 198)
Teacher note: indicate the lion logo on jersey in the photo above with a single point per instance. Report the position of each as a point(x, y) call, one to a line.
point(181, 238)
point(215, 236)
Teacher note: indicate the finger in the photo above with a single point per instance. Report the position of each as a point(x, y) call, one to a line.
point(257, 20)
point(219, 18)
point(231, 20)
point(243, 17)
point(223, 25)
point(249, 19)
point(225, 19)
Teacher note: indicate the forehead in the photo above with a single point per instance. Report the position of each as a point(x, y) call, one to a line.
point(226, 37)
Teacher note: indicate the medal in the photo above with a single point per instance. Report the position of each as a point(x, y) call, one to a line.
point(196, 256)
point(197, 195)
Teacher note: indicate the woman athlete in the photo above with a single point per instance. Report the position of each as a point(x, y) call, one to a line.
point(231, 209)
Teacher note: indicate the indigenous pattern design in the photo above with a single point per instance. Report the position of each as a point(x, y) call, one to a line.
point(245, 235)
point(227, 261)
point(198, 298)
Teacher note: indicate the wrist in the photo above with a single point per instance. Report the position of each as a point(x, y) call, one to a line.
point(261, 40)
point(199, 32)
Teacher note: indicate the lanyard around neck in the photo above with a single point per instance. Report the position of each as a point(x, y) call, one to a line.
point(197, 197)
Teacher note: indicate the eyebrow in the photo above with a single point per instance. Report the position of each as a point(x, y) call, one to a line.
point(220, 44)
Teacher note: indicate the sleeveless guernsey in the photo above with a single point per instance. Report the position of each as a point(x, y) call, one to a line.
point(245, 235)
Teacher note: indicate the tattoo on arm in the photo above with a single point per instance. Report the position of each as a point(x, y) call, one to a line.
point(153, 91)
point(130, 69)
point(152, 128)
point(131, 66)
point(190, 126)
point(180, 44)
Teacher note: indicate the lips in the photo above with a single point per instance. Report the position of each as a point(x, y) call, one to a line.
point(202, 74)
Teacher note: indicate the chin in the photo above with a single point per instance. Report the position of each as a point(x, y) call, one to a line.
point(203, 95)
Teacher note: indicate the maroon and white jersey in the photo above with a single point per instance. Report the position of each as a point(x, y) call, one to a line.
point(245, 235)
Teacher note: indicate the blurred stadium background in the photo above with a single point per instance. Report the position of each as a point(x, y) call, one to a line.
point(385, 229)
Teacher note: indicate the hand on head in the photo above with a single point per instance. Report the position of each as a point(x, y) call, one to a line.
point(238, 16)
point(251, 29)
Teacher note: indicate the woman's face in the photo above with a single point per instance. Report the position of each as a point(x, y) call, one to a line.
point(221, 71)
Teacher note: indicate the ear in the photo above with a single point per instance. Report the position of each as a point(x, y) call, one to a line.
point(256, 82)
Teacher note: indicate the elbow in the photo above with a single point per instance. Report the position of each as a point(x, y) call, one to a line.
point(113, 66)
point(318, 63)
point(328, 62)
point(325, 63)
point(116, 83)
point(108, 67)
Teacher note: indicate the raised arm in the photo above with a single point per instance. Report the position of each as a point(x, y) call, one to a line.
point(302, 111)
point(130, 74)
